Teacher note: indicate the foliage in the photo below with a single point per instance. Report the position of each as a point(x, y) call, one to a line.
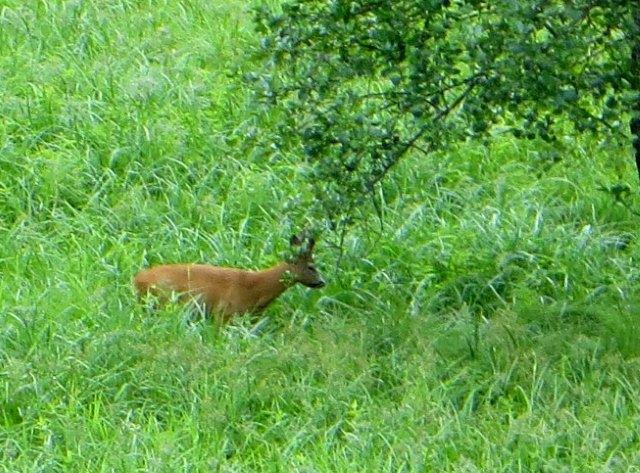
point(363, 82)
point(634, 124)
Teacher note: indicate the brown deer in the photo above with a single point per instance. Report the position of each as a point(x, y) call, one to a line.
point(225, 292)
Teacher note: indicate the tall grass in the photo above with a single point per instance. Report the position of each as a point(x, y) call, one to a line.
point(488, 323)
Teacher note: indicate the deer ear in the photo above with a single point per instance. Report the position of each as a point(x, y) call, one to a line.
point(310, 245)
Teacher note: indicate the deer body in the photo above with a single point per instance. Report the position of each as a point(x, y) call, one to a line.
point(225, 292)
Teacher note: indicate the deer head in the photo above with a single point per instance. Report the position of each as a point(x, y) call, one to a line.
point(301, 266)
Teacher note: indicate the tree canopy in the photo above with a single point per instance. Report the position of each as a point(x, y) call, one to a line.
point(361, 83)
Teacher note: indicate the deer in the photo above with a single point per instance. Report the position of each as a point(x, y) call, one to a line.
point(227, 292)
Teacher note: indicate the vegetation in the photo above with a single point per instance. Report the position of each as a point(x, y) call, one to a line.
point(365, 83)
point(490, 324)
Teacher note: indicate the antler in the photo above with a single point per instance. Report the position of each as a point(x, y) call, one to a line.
point(298, 240)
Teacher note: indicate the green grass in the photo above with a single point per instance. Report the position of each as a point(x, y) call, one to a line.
point(489, 324)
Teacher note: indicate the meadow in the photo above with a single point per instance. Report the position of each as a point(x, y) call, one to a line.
point(489, 322)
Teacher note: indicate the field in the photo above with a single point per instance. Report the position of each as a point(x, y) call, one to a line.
point(488, 323)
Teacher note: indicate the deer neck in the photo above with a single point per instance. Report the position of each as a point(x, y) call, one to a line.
point(272, 282)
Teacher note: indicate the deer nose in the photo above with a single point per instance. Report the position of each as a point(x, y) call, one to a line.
point(318, 284)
